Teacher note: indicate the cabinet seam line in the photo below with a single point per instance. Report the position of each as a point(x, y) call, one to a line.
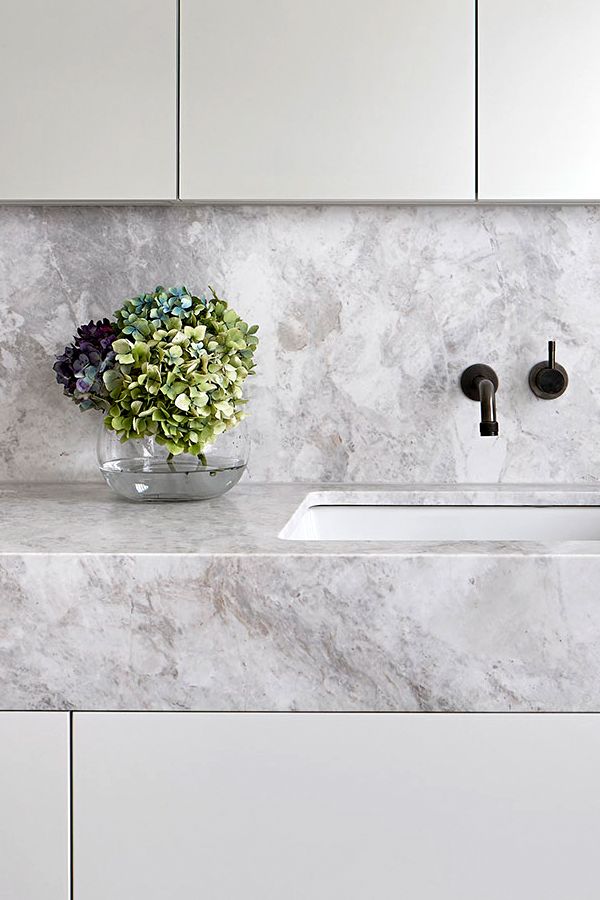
point(71, 806)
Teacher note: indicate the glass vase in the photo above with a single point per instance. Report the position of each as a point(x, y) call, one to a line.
point(142, 470)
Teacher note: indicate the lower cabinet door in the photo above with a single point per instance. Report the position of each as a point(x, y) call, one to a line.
point(281, 806)
point(34, 806)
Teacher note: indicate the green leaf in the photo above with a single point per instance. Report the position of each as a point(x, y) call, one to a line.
point(140, 352)
point(143, 326)
point(121, 346)
point(173, 448)
point(224, 407)
point(111, 379)
point(183, 402)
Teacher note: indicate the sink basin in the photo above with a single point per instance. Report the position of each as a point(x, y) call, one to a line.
point(358, 521)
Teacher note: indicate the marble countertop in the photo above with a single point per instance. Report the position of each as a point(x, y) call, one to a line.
point(106, 604)
point(89, 519)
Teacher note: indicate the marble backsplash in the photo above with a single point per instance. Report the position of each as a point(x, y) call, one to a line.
point(368, 316)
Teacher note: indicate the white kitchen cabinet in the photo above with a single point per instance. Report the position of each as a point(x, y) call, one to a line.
point(539, 85)
point(34, 806)
point(306, 100)
point(88, 100)
point(266, 806)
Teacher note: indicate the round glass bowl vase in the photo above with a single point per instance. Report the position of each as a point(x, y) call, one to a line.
point(141, 469)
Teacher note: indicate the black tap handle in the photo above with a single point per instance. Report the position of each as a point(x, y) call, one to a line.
point(548, 380)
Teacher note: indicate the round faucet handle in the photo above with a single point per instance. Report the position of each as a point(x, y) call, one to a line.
point(552, 382)
point(548, 380)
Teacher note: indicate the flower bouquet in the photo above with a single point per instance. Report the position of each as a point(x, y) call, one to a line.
point(168, 373)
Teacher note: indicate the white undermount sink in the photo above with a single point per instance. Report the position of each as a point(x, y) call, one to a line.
point(325, 518)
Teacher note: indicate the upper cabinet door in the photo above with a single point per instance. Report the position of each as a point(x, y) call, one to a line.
point(539, 91)
point(88, 92)
point(333, 100)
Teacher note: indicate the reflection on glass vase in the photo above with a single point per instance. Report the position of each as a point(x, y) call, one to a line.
point(142, 469)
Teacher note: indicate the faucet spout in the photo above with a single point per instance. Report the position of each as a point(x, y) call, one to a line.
point(488, 427)
point(480, 383)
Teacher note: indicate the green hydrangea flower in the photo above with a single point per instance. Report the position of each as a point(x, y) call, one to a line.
point(181, 364)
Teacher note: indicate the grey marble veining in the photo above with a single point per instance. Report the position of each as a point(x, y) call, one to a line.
point(108, 605)
point(300, 632)
point(368, 316)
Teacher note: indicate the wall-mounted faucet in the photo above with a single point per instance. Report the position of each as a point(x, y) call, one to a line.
point(480, 383)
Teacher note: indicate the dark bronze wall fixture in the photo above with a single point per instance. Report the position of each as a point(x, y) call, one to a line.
point(547, 379)
point(480, 382)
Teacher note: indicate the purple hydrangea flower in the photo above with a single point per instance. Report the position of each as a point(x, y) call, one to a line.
point(81, 367)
